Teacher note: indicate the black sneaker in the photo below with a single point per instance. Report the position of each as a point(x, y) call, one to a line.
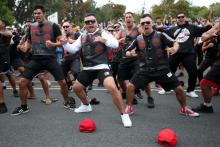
point(3, 108)
point(71, 104)
point(135, 101)
point(20, 110)
point(4, 87)
point(15, 93)
point(150, 102)
point(203, 109)
point(90, 87)
point(139, 95)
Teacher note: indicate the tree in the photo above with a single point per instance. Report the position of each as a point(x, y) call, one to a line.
point(5, 13)
point(215, 8)
point(110, 12)
point(170, 8)
point(79, 10)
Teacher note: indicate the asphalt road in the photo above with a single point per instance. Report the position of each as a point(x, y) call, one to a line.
point(54, 126)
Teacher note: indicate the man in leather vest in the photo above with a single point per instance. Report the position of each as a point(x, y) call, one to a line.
point(150, 48)
point(128, 66)
point(42, 38)
point(5, 36)
point(94, 44)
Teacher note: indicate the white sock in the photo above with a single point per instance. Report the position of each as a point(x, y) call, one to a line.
point(207, 104)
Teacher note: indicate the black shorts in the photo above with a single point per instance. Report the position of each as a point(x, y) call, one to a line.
point(71, 65)
point(168, 81)
point(214, 74)
point(4, 63)
point(86, 77)
point(16, 63)
point(127, 70)
point(36, 66)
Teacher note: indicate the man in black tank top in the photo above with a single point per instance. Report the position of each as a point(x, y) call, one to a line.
point(129, 66)
point(5, 36)
point(42, 39)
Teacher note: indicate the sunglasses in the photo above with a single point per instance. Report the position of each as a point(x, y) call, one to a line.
point(145, 22)
point(66, 26)
point(88, 22)
point(180, 17)
point(115, 27)
point(111, 30)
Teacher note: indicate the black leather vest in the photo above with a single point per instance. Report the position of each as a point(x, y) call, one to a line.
point(39, 35)
point(152, 54)
point(128, 40)
point(93, 53)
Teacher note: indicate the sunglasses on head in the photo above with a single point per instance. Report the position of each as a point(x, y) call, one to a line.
point(88, 22)
point(180, 17)
point(66, 26)
point(145, 22)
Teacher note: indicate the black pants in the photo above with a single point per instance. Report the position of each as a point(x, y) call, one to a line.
point(204, 65)
point(189, 62)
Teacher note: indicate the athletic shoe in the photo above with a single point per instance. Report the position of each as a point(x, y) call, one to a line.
point(150, 102)
point(129, 109)
point(71, 104)
point(203, 109)
point(90, 87)
point(188, 112)
point(15, 93)
point(4, 85)
point(126, 120)
point(3, 108)
point(192, 94)
point(83, 108)
point(20, 110)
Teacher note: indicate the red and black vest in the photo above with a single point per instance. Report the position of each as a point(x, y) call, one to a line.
point(151, 52)
point(93, 53)
point(128, 40)
point(39, 35)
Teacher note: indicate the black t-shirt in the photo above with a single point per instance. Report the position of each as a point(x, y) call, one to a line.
point(185, 34)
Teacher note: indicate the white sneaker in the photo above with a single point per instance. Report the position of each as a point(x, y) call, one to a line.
point(192, 94)
point(161, 91)
point(126, 120)
point(83, 108)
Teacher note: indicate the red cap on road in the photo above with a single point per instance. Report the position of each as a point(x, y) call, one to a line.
point(167, 137)
point(87, 126)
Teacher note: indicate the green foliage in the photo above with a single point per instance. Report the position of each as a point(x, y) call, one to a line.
point(169, 8)
point(5, 13)
point(110, 12)
point(216, 9)
point(79, 10)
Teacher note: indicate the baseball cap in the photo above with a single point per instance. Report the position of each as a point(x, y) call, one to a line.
point(87, 126)
point(167, 137)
